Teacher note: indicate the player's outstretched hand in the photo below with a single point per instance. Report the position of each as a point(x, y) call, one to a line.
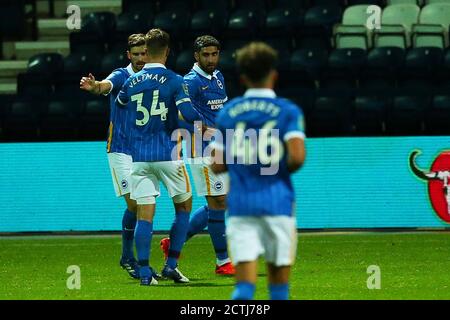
point(88, 83)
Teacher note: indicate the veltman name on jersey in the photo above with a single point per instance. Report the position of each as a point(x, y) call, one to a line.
point(254, 105)
point(147, 77)
point(217, 103)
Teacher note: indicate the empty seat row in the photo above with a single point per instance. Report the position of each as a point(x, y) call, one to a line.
point(328, 116)
point(400, 25)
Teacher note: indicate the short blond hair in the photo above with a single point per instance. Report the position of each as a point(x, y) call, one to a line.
point(157, 41)
point(136, 40)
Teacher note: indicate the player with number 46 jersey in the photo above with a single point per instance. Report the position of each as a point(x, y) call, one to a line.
point(262, 144)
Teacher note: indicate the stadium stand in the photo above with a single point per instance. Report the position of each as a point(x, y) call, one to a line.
point(350, 78)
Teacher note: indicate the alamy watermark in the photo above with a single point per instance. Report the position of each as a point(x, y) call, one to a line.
point(74, 280)
point(73, 22)
point(241, 145)
point(374, 19)
point(374, 280)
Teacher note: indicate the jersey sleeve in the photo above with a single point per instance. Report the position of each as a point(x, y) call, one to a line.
point(122, 98)
point(183, 101)
point(295, 124)
point(116, 79)
point(193, 89)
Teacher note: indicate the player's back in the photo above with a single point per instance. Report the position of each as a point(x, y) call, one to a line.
point(151, 95)
point(256, 155)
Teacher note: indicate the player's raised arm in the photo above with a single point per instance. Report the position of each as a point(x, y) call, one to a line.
point(95, 87)
point(184, 103)
point(295, 141)
point(122, 98)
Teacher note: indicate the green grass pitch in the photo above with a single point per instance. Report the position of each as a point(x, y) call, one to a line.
point(328, 266)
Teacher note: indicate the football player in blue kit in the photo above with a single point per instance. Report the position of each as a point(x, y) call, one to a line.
point(118, 148)
point(207, 92)
point(262, 141)
point(154, 98)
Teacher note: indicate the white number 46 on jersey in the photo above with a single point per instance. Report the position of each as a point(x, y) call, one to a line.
point(156, 109)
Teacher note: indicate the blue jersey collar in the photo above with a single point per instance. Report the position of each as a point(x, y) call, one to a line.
point(130, 69)
point(154, 65)
point(260, 93)
point(200, 71)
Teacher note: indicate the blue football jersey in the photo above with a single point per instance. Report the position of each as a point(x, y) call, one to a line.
point(153, 96)
point(208, 95)
point(118, 119)
point(260, 183)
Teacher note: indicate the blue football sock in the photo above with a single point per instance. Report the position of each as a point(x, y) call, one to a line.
point(216, 228)
point(198, 221)
point(128, 225)
point(243, 291)
point(178, 234)
point(143, 238)
point(279, 291)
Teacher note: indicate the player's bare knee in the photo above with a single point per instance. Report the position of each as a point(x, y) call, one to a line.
point(146, 208)
point(216, 202)
point(278, 274)
point(131, 204)
point(183, 202)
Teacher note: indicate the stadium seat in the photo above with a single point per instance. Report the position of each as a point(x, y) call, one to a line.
point(176, 5)
point(227, 63)
point(405, 116)
point(369, 116)
point(330, 117)
point(209, 21)
point(244, 23)
point(93, 124)
point(185, 60)
point(46, 63)
point(323, 15)
point(438, 116)
point(175, 22)
point(291, 4)
point(21, 122)
point(139, 6)
point(101, 23)
point(83, 42)
point(423, 62)
point(283, 47)
point(133, 22)
point(112, 61)
point(365, 2)
point(340, 3)
point(308, 64)
point(353, 32)
point(67, 86)
point(344, 66)
point(283, 22)
point(434, 22)
point(396, 26)
point(34, 85)
point(317, 27)
point(58, 119)
point(220, 5)
point(394, 2)
point(385, 62)
point(82, 63)
point(12, 17)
